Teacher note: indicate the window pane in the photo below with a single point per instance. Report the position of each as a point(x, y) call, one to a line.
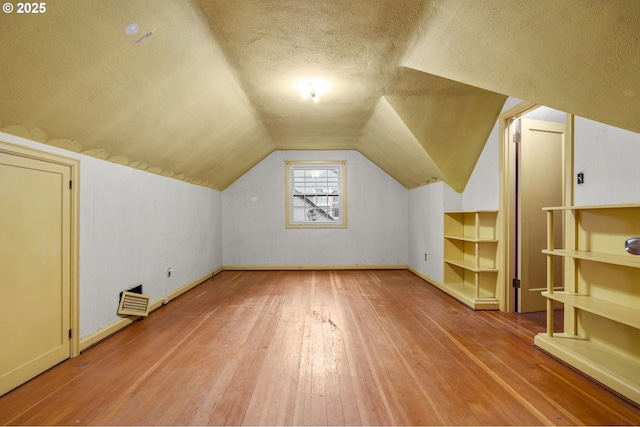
point(299, 214)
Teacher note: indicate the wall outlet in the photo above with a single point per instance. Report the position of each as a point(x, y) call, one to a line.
point(425, 257)
point(580, 178)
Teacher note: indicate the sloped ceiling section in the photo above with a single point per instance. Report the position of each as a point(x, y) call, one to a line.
point(164, 99)
point(578, 56)
point(389, 143)
point(451, 120)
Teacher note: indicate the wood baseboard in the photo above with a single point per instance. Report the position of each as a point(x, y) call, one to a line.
point(111, 329)
point(424, 277)
point(314, 267)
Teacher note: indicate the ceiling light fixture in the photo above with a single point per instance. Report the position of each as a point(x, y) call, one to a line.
point(310, 91)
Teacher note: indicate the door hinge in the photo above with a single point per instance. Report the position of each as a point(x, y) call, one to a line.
point(70, 184)
point(515, 283)
point(70, 333)
point(517, 137)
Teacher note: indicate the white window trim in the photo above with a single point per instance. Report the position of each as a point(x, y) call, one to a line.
point(292, 165)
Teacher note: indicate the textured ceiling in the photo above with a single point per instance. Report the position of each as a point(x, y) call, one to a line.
point(579, 56)
point(208, 88)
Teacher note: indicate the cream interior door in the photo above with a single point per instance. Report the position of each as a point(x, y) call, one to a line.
point(539, 185)
point(35, 267)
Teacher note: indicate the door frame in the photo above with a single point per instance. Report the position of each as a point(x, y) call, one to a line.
point(74, 166)
point(508, 220)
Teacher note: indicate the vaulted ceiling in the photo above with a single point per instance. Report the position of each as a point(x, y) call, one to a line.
point(207, 88)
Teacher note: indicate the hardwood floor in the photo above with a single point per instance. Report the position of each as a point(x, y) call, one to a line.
point(317, 348)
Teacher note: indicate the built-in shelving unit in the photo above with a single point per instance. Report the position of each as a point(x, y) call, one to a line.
point(601, 298)
point(470, 250)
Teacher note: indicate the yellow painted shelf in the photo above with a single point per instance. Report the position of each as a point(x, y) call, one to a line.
point(481, 211)
point(467, 295)
point(601, 314)
point(592, 207)
point(616, 312)
point(470, 251)
point(471, 239)
point(627, 260)
point(471, 266)
point(615, 370)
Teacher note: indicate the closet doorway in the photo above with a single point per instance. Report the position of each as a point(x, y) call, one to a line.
point(537, 154)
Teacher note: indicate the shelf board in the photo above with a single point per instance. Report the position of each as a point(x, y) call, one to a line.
point(620, 372)
point(592, 207)
point(471, 212)
point(626, 260)
point(471, 266)
point(619, 313)
point(470, 239)
point(467, 295)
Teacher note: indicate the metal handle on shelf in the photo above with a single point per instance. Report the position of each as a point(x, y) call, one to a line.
point(632, 245)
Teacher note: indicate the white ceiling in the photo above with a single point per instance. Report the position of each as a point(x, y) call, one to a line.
point(208, 88)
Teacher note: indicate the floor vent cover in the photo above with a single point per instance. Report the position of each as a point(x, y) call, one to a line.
point(133, 304)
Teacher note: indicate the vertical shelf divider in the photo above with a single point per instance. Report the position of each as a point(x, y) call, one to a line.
point(550, 271)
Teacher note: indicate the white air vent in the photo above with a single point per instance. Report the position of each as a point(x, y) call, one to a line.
point(133, 304)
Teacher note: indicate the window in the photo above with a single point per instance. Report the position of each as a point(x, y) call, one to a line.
point(316, 194)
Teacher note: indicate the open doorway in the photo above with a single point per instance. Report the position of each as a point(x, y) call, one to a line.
point(536, 154)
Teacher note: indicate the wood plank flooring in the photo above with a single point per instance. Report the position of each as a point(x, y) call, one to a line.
point(317, 348)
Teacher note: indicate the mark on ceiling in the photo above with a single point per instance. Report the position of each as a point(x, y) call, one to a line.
point(143, 37)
